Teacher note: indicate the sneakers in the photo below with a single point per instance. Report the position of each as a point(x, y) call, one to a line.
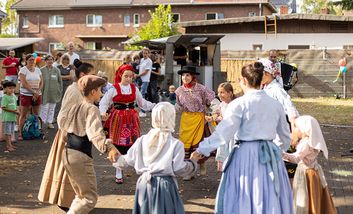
point(142, 114)
point(16, 128)
point(50, 126)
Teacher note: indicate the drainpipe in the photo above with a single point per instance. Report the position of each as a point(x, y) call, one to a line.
point(260, 9)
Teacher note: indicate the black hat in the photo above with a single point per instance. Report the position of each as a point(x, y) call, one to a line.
point(6, 84)
point(188, 69)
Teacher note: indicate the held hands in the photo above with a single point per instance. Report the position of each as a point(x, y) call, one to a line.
point(105, 117)
point(113, 155)
point(195, 156)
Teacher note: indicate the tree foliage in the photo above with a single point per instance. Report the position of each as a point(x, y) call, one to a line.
point(315, 6)
point(160, 25)
point(9, 25)
point(346, 4)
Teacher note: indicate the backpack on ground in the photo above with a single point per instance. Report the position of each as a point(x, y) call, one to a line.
point(31, 128)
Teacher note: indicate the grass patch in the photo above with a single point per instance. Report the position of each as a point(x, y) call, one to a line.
point(326, 110)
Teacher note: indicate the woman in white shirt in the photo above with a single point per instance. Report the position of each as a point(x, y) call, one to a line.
point(30, 91)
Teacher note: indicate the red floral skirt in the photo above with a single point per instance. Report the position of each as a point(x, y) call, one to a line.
point(124, 127)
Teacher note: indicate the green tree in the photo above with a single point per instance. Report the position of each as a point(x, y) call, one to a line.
point(9, 25)
point(315, 6)
point(160, 25)
point(346, 4)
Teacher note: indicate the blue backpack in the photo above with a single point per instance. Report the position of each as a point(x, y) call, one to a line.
point(31, 129)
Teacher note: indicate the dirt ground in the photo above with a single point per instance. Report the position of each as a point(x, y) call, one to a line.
point(21, 173)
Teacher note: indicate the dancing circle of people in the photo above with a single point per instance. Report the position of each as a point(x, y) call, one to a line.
point(250, 136)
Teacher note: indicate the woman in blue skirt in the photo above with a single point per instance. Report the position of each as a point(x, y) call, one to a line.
point(254, 178)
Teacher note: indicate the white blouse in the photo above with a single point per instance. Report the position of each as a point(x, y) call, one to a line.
point(303, 154)
point(169, 162)
point(107, 99)
point(276, 91)
point(254, 116)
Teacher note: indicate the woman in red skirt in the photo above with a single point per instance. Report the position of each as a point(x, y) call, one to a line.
point(123, 120)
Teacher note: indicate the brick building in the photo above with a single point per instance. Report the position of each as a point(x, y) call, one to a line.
point(104, 24)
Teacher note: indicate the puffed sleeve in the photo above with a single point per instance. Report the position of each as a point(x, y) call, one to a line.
point(142, 103)
point(107, 100)
point(94, 130)
point(225, 130)
point(286, 102)
point(182, 167)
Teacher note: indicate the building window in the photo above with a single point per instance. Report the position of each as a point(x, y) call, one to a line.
point(127, 20)
point(136, 20)
point(175, 17)
point(212, 16)
point(56, 21)
point(56, 46)
point(298, 46)
point(348, 47)
point(252, 14)
point(93, 20)
point(93, 45)
point(257, 47)
point(25, 22)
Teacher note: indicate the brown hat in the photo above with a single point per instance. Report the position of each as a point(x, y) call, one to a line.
point(88, 83)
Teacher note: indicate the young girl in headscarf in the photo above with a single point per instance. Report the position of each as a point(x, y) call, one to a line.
point(158, 157)
point(123, 120)
point(311, 194)
point(192, 99)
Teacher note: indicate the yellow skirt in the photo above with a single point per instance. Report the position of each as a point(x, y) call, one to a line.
point(191, 131)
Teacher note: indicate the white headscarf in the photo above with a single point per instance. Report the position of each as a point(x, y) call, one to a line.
point(269, 66)
point(163, 123)
point(311, 128)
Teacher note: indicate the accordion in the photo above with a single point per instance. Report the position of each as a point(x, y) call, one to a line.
point(289, 75)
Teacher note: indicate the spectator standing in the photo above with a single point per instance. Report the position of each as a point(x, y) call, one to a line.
point(71, 53)
point(152, 90)
point(58, 59)
point(9, 112)
point(22, 62)
point(30, 91)
point(273, 58)
point(10, 64)
point(52, 91)
point(145, 68)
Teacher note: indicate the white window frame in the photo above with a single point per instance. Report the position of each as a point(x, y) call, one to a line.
point(25, 22)
point(127, 24)
point(139, 20)
point(94, 24)
point(57, 46)
point(172, 14)
point(55, 20)
point(215, 14)
point(93, 47)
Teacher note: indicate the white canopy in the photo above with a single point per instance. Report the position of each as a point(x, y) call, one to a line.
point(13, 43)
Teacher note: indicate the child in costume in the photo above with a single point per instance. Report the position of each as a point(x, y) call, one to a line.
point(192, 99)
point(254, 179)
point(83, 126)
point(311, 194)
point(226, 95)
point(158, 157)
point(123, 120)
point(274, 89)
point(55, 187)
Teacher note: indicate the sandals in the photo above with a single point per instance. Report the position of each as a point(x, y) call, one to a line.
point(119, 180)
